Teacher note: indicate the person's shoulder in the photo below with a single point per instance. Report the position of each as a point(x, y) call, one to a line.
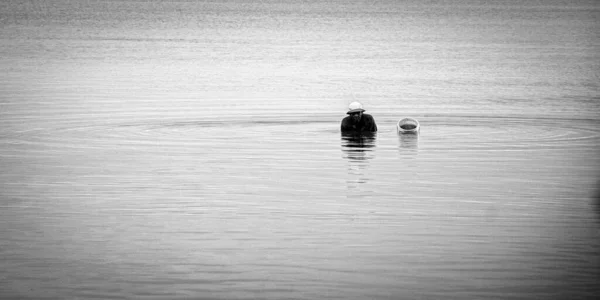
point(347, 118)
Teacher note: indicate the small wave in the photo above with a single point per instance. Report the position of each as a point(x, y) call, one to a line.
point(438, 132)
point(459, 132)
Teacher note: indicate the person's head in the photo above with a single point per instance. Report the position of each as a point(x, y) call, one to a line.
point(356, 115)
point(355, 110)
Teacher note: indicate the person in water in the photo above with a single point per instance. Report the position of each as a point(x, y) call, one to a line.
point(357, 121)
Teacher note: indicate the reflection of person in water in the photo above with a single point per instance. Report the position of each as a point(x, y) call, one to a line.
point(358, 149)
point(357, 121)
point(357, 145)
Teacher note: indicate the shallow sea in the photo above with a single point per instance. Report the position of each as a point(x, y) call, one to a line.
point(191, 150)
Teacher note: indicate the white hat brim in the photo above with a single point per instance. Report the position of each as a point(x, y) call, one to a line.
point(355, 110)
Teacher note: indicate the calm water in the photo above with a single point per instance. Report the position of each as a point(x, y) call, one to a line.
point(182, 149)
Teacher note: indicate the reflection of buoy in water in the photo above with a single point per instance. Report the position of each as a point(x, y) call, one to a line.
point(408, 125)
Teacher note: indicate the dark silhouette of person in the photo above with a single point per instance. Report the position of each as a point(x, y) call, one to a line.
point(357, 121)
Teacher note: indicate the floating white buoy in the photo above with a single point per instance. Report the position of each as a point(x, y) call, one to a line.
point(408, 125)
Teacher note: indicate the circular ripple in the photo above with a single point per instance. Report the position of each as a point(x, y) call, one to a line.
point(152, 135)
point(506, 133)
point(450, 132)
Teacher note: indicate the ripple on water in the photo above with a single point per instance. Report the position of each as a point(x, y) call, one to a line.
point(276, 205)
point(438, 133)
point(449, 133)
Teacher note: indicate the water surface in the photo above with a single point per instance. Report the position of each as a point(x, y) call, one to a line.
point(173, 149)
